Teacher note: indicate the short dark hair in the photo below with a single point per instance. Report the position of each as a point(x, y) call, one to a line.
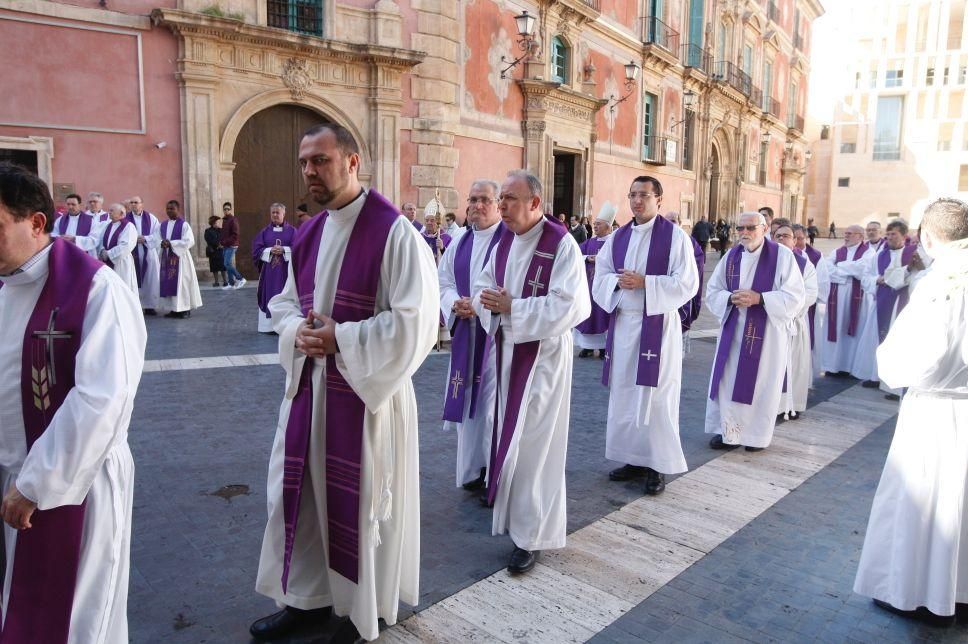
point(656, 185)
point(74, 195)
point(899, 225)
point(946, 219)
point(344, 138)
point(302, 208)
point(227, 203)
point(173, 201)
point(213, 219)
point(781, 221)
point(769, 211)
point(23, 193)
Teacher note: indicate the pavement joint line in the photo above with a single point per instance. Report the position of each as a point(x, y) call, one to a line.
point(624, 557)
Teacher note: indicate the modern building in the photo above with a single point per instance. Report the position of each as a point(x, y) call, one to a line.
point(899, 136)
point(204, 100)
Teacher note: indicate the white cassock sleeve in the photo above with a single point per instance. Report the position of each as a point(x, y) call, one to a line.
point(868, 279)
point(718, 293)
point(897, 277)
point(448, 284)
point(127, 241)
point(917, 342)
point(823, 281)
point(266, 255)
point(61, 465)
point(183, 245)
point(810, 285)
point(785, 302)
point(834, 274)
point(855, 268)
point(89, 242)
point(605, 288)
point(286, 318)
point(153, 239)
point(667, 293)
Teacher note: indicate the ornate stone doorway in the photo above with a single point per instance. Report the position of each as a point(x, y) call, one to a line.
point(715, 180)
point(565, 199)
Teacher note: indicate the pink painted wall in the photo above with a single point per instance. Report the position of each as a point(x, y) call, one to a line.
point(612, 183)
point(483, 160)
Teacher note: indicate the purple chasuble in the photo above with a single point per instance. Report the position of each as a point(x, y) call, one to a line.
point(756, 322)
point(886, 296)
point(274, 273)
point(109, 241)
point(689, 312)
point(84, 222)
point(47, 555)
point(169, 260)
point(432, 242)
point(856, 296)
point(141, 250)
point(597, 322)
point(523, 356)
point(650, 339)
point(355, 300)
point(461, 369)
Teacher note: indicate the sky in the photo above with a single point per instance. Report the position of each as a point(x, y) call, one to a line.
point(826, 58)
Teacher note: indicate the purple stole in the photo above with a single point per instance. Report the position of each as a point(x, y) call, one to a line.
point(597, 322)
point(887, 296)
point(141, 254)
point(814, 256)
point(47, 555)
point(461, 370)
point(84, 222)
point(689, 312)
point(756, 323)
point(110, 241)
point(432, 242)
point(657, 263)
point(169, 260)
point(856, 295)
point(523, 356)
point(272, 275)
point(355, 300)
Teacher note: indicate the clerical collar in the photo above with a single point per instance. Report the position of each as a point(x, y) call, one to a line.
point(534, 232)
point(352, 209)
point(34, 260)
point(274, 227)
point(646, 226)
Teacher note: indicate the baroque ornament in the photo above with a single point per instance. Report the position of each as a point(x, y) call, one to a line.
point(295, 76)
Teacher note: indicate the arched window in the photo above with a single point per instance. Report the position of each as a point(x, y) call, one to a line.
point(559, 60)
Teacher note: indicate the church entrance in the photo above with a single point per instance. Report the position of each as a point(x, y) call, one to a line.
point(564, 185)
point(267, 171)
point(715, 176)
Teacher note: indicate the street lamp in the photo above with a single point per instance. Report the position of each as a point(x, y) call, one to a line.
point(688, 102)
point(526, 23)
point(631, 74)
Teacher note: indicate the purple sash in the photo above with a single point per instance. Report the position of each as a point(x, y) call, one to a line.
point(169, 259)
point(47, 555)
point(109, 242)
point(84, 222)
point(814, 256)
point(856, 296)
point(523, 356)
point(886, 296)
point(597, 322)
point(355, 300)
point(689, 312)
point(461, 371)
point(141, 250)
point(657, 263)
point(756, 323)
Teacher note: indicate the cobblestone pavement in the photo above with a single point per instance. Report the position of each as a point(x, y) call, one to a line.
point(201, 441)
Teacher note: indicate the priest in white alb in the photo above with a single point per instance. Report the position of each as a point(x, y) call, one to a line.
point(71, 355)
point(817, 313)
point(77, 227)
point(644, 274)
point(529, 297)
point(755, 292)
point(847, 305)
point(590, 334)
point(916, 547)
point(146, 257)
point(355, 320)
point(178, 283)
point(470, 388)
point(117, 239)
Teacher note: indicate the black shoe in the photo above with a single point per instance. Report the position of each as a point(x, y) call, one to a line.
point(627, 473)
point(345, 634)
point(477, 483)
point(754, 449)
point(870, 384)
point(522, 560)
point(172, 314)
point(892, 397)
point(601, 355)
point(654, 482)
point(921, 614)
point(793, 415)
point(215, 284)
point(185, 314)
point(585, 353)
point(717, 443)
point(483, 499)
point(150, 312)
point(287, 621)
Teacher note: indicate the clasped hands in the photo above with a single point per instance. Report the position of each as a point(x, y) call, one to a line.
point(317, 341)
point(630, 280)
point(745, 298)
point(462, 308)
point(496, 300)
point(165, 243)
point(17, 509)
point(276, 250)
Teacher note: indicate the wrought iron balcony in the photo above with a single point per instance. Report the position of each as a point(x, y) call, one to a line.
point(771, 106)
point(654, 149)
point(694, 56)
point(656, 32)
point(594, 4)
point(756, 96)
point(795, 123)
point(886, 151)
point(772, 11)
point(726, 72)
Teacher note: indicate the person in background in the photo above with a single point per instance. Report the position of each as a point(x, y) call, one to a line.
point(213, 250)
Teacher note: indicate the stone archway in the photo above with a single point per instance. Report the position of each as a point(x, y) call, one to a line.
point(721, 175)
point(715, 180)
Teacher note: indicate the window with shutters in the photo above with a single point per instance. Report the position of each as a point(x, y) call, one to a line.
point(300, 16)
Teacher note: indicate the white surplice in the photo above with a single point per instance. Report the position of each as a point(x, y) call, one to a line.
point(916, 547)
point(474, 434)
point(189, 296)
point(87, 243)
point(149, 285)
point(122, 254)
point(530, 503)
point(591, 341)
point(820, 317)
point(799, 366)
point(752, 425)
point(378, 356)
point(84, 452)
point(839, 356)
point(643, 422)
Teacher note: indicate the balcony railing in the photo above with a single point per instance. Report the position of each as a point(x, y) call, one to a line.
point(886, 151)
point(796, 123)
point(726, 72)
point(772, 11)
point(771, 106)
point(301, 16)
point(693, 56)
point(756, 96)
point(654, 149)
point(594, 4)
point(656, 32)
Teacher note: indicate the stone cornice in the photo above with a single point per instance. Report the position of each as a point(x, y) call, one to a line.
point(553, 98)
point(187, 23)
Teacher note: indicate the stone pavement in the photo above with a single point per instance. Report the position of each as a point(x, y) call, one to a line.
point(201, 440)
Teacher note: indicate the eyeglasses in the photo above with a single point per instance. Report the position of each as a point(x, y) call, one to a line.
point(752, 228)
point(487, 201)
point(641, 195)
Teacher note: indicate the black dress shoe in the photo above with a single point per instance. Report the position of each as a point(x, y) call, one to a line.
point(172, 314)
point(287, 621)
point(347, 633)
point(654, 482)
point(921, 614)
point(522, 560)
point(716, 442)
point(627, 473)
point(585, 353)
point(870, 384)
point(754, 449)
point(601, 355)
point(892, 396)
point(150, 312)
point(477, 483)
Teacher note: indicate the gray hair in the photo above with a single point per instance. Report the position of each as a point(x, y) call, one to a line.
point(875, 222)
point(95, 195)
point(117, 206)
point(278, 205)
point(760, 219)
point(534, 183)
point(490, 183)
point(946, 219)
